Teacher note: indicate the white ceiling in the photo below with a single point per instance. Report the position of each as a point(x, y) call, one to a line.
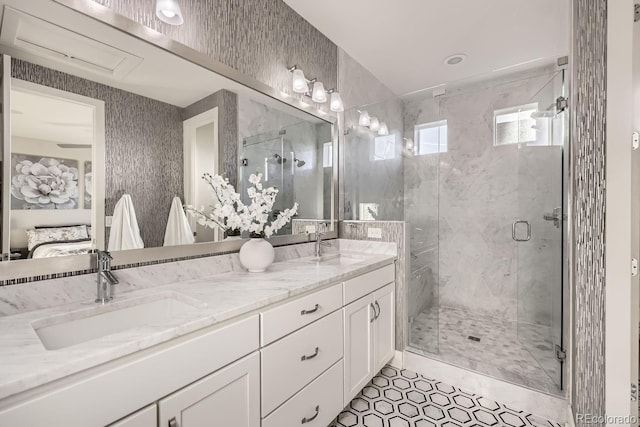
point(404, 42)
point(51, 119)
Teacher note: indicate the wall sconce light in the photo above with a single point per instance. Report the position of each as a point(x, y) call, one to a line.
point(364, 119)
point(409, 145)
point(301, 84)
point(374, 124)
point(318, 93)
point(384, 130)
point(335, 104)
point(169, 11)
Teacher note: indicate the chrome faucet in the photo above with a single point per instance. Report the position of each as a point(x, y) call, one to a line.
point(106, 278)
point(321, 229)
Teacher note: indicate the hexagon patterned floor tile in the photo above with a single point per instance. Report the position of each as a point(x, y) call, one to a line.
point(396, 398)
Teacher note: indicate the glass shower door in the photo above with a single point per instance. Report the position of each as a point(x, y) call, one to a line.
point(539, 230)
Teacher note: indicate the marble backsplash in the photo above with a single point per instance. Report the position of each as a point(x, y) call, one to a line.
point(49, 293)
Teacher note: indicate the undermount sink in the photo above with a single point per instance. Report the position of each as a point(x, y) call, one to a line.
point(96, 322)
point(337, 259)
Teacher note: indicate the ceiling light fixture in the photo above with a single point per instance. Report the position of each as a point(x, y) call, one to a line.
point(455, 59)
point(169, 11)
point(384, 130)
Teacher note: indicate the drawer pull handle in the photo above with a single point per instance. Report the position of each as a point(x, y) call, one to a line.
point(378, 307)
point(305, 357)
point(308, 420)
point(373, 308)
point(313, 310)
point(173, 422)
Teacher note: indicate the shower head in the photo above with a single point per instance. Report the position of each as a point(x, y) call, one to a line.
point(279, 158)
point(299, 163)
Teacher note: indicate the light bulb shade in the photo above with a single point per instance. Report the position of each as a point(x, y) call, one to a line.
point(336, 102)
point(384, 130)
point(318, 95)
point(374, 124)
point(169, 11)
point(410, 144)
point(300, 84)
point(364, 119)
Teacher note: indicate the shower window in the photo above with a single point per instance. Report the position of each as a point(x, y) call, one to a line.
point(514, 125)
point(431, 138)
point(384, 147)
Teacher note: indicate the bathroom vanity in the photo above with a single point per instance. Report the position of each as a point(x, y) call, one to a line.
point(288, 347)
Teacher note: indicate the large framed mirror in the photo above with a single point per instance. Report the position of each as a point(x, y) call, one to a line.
point(107, 136)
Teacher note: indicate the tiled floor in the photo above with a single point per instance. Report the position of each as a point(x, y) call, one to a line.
point(401, 398)
point(444, 335)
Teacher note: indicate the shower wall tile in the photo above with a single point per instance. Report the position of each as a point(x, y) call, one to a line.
point(259, 38)
point(394, 232)
point(460, 205)
point(588, 152)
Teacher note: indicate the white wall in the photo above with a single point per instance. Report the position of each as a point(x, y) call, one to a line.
point(621, 331)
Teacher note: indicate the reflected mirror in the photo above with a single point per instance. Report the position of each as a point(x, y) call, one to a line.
point(109, 138)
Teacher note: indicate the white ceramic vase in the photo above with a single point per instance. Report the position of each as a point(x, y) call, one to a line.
point(256, 255)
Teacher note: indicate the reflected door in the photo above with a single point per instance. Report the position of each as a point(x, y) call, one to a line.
point(539, 229)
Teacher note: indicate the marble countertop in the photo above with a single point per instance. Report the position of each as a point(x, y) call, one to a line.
point(25, 363)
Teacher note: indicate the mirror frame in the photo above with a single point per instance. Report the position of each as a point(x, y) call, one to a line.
point(48, 268)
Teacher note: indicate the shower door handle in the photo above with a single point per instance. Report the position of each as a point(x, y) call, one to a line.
point(515, 226)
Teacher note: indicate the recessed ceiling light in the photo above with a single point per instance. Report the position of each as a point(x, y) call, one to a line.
point(455, 59)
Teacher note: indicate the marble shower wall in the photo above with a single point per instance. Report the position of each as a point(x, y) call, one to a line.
point(460, 205)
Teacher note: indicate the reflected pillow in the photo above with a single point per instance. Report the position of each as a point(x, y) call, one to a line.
point(57, 234)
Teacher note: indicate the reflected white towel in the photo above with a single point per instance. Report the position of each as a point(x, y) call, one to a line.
point(178, 229)
point(124, 233)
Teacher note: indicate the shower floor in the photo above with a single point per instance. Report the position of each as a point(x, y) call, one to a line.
point(443, 334)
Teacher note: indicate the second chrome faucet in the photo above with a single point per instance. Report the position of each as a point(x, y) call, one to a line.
point(105, 278)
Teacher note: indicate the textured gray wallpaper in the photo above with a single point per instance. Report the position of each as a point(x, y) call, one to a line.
point(260, 38)
point(228, 139)
point(143, 146)
point(588, 171)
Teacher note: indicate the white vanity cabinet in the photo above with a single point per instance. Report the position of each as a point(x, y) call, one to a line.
point(147, 417)
point(369, 337)
point(229, 397)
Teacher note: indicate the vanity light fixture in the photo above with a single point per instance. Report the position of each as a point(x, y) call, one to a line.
point(364, 119)
point(335, 104)
point(374, 124)
point(299, 82)
point(318, 94)
point(409, 145)
point(384, 130)
point(169, 11)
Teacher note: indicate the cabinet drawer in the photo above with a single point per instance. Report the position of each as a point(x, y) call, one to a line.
point(284, 319)
point(294, 361)
point(147, 417)
point(322, 397)
point(362, 285)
